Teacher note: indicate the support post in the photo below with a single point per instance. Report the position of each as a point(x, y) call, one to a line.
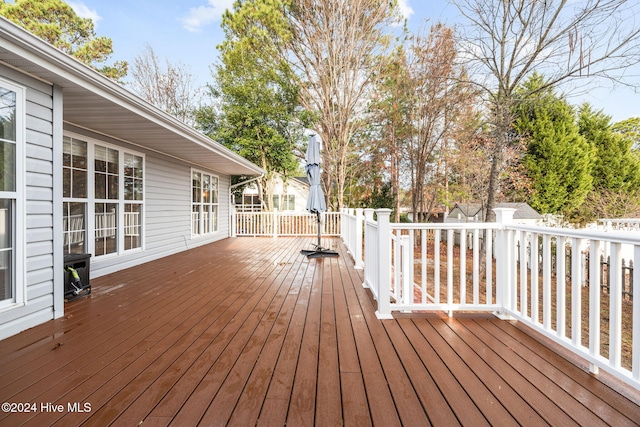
point(369, 264)
point(384, 264)
point(234, 222)
point(276, 223)
point(359, 229)
point(504, 262)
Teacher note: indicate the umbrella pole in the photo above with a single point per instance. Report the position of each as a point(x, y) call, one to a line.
point(319, 225)
point(319, 250)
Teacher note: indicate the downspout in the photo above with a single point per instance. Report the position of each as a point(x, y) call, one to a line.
point(232, 231)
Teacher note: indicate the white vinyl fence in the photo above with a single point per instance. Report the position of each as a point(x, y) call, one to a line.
point(550, 279)
point(276, 223)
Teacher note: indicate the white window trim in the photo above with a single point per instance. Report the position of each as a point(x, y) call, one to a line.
point(217, 204)
point(120, 201)
point(19, 233)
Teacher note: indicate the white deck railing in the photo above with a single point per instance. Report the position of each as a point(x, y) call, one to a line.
point(274, 224)
point(551, 279)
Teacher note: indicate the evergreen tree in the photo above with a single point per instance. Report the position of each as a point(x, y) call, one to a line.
point(616, 167)
point(259, 115)
point(630, 129)
point(55, 22)
point(558, 159)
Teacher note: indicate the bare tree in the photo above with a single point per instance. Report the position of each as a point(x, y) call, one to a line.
point(170, 87)
point(335, 48)
point(390, 125)
point(438, 99)
point(564, 40)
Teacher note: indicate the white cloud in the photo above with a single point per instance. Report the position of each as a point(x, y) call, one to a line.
point(83, 11)
point(202, 16)
point(405, 9)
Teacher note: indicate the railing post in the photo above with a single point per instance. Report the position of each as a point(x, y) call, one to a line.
point(234, 222)
point(358, 249)
point(369, 265)
point(504, 262)
point(276, 222)
point(384, 264)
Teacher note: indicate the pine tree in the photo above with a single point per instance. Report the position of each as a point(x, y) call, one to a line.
point(259, 115)
point(55, 22)
point(558, 159)
point(616, 167)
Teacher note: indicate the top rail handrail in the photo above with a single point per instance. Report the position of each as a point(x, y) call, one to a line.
point(625, 237)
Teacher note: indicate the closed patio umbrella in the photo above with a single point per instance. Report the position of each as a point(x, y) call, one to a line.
point(315, 202)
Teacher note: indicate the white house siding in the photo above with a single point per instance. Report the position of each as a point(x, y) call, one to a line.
point(38, 208)
point(167, 209)
point(302, 194)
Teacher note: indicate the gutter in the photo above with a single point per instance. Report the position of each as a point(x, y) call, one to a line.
point(238, 184)
point(231, 187)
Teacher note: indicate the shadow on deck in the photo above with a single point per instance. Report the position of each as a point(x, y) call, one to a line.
point(247, 331)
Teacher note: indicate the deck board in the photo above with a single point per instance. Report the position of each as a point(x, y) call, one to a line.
point(247, 331)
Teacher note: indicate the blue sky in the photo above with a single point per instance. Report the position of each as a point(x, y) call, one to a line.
point(188, 31)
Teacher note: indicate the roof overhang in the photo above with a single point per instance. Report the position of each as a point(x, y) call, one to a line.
point(96, 103)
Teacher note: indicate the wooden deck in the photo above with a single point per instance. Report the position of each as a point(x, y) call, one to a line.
point(247, 331)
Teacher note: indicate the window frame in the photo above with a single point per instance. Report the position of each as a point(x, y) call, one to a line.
point(74, 198)
point(200, 228)
point(122, 201)
point(17, 200)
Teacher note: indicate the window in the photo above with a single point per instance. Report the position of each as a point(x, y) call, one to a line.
point(74, 192)
point(288, 202)
point(106, 174)
point(11, 134)
point(204, 203)
point(74, 227)
point(284, 202)
point(7, 251)
point(115, 203)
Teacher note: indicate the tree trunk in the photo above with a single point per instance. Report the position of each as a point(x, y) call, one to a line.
point(502, 127)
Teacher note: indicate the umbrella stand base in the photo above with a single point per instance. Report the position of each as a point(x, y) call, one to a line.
point(319, 252)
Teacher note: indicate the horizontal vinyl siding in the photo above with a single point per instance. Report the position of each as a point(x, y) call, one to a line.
point(38, 208)
point(167, 210)
point(167, 204)
point(223, 204)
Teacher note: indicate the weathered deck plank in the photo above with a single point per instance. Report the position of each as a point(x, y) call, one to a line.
point(247, 331)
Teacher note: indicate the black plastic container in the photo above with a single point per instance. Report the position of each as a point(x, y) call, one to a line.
point(76, 276)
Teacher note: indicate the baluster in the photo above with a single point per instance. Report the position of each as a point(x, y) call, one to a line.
point(476, 266)
point(595, 274)
point(561, 290)
point(463, 266)
point(635, 289)
point(436, 266)
point(615, 307)
point(576, 292)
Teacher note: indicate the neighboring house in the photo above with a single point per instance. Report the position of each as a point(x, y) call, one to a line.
point(436, 215)
point(88, 167)
point(474, 212)
point(291, 197)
